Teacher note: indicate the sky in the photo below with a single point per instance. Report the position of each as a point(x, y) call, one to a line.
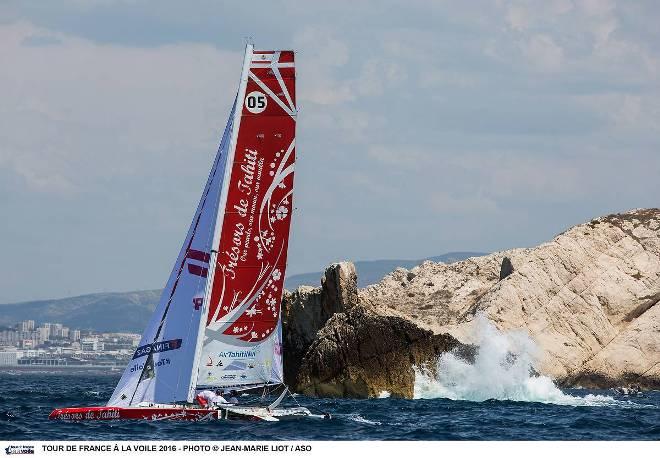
point(423, 127)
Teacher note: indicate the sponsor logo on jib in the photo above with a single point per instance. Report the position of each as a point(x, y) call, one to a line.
point(238, 354)
point(20, 450)
point(162, 362)
point(158, 347)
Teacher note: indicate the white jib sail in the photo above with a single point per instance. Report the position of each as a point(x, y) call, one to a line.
point(162, 366)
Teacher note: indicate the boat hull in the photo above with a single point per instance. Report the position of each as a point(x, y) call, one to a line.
point(175, 413)
point(135, 413)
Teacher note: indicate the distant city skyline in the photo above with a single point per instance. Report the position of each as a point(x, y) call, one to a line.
point(31, 345)
point(424, 128)
point(31, 334)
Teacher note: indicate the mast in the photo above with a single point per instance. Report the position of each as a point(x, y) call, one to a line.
point(222, 203)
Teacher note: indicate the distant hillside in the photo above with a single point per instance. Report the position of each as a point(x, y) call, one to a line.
point(129, 312)
point(109, 312)
point(370, 272)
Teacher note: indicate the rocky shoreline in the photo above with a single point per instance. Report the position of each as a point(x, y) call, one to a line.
point(588, 299)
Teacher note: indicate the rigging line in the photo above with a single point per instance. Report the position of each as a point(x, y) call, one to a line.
point(293, 397)
point(325, 414)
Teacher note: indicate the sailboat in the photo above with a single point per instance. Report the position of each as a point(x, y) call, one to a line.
point(218, 322)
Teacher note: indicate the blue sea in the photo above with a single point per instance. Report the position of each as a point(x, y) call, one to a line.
point(26, 399)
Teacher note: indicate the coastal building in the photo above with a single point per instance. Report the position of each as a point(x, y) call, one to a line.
point(30, 344)
point(91, 344)
point(42, 361)
point(31, 354)
point(8, 337)
point(8, 358)
point(21, 338)
point(44, 333)
point(47, 326)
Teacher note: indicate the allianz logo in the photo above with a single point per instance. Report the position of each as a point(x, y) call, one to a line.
point(162, 362)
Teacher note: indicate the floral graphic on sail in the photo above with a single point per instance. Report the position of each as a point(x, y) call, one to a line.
point(247, 290)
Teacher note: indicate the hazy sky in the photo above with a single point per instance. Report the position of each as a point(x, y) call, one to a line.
point(424, 127)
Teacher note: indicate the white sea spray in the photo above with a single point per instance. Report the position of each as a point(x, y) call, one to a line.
point(502, 370)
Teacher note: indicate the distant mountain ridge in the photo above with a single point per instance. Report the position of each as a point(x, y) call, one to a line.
point(370, 272)
point(104, 312)
point(129, 312)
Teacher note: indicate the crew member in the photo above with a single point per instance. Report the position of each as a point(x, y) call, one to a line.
point(233, 397)
point(209, 398)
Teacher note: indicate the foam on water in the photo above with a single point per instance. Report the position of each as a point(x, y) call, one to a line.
point(360, 419)
point(502, 370)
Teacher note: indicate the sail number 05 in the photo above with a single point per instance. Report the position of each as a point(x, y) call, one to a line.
point(256, 102)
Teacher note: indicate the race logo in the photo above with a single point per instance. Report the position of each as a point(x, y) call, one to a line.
point(20, 450)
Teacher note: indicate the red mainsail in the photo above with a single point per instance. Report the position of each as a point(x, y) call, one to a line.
point(241, 342)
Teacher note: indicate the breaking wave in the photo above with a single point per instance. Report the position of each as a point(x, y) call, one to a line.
point(503, 369)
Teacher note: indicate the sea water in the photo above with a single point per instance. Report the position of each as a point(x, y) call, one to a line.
point(497, 397)
point(27, 399)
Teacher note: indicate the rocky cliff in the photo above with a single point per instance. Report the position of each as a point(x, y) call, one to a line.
point(307, 309)
point(334, 346)
point(362, 354)
point(588, 298)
